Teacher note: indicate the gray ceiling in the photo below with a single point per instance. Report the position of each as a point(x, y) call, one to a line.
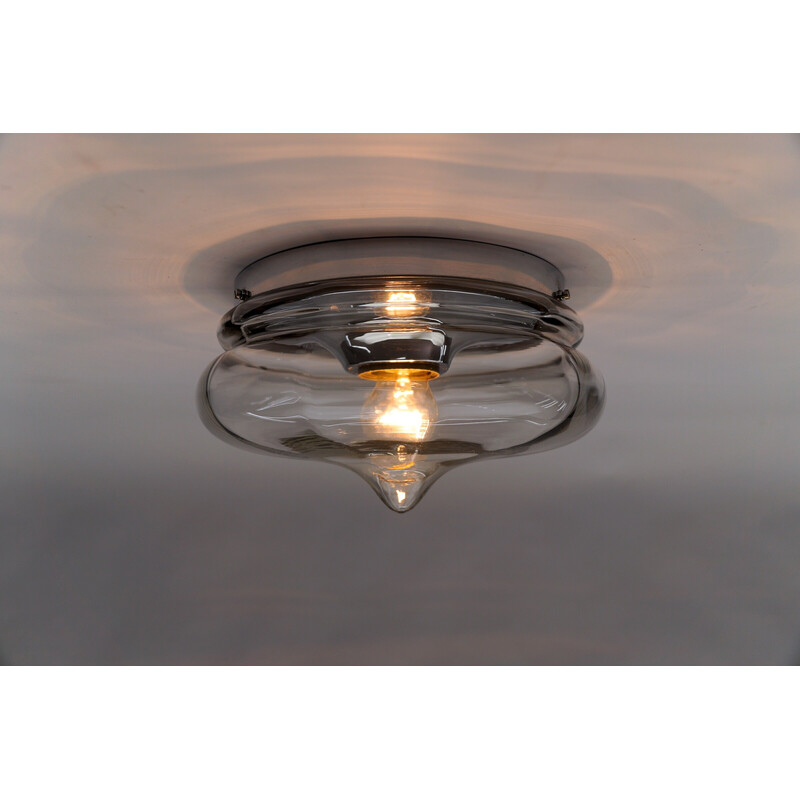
point(670, 534)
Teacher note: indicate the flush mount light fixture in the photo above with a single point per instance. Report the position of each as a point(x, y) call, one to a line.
point(400, 358)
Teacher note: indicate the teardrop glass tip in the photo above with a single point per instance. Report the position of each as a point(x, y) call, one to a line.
point(400, 494)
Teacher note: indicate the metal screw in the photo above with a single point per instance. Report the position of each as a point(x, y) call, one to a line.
point(561, 294)
point(242, 294)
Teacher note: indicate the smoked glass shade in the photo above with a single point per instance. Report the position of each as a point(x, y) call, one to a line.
point(401, 378)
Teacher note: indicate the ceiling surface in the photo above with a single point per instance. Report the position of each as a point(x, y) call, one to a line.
point(669, 534)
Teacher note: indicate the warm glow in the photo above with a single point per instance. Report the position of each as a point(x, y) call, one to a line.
point(403, 304)
point(401, 407)
point(403, 459)
point(402, 297)
point(404, 417)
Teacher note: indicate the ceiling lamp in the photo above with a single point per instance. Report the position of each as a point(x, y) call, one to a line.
point(400, 358)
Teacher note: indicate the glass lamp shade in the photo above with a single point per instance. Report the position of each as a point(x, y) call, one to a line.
point(400, 378)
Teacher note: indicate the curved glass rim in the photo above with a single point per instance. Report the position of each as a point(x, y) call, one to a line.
point(337, 303)
point(582, 417)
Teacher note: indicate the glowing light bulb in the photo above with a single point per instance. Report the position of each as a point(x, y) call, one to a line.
point(401, 407)
point(404, 303)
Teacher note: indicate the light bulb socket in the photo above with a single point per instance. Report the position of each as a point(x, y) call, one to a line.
point(391, 370)
point(372, 351)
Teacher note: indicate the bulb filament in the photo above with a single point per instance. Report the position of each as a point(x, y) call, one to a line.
point(401, 407)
